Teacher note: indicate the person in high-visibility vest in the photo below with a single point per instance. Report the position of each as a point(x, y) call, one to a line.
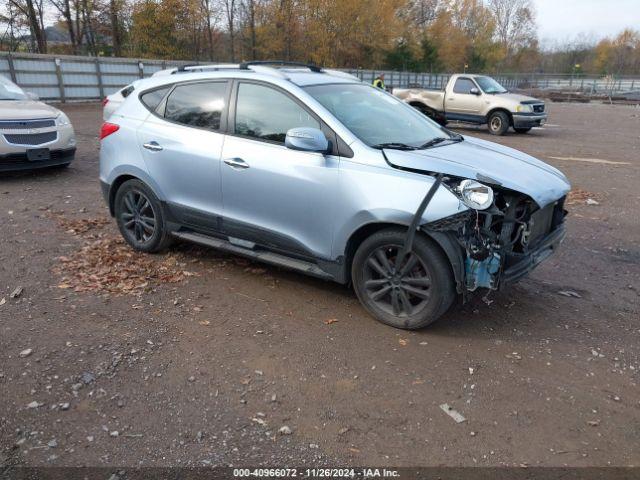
point(378, 82)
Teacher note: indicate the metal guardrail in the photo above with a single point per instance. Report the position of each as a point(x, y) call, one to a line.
point(74, 78)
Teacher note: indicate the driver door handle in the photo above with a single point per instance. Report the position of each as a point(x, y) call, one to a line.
point(153, 146)
point(236, 163)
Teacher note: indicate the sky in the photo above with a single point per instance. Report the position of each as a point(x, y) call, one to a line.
point(564, 19)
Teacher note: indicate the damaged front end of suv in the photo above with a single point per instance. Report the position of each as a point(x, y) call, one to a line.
point(514, 215)
point(502, 236)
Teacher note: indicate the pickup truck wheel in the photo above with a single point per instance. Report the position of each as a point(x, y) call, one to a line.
point(521, 130)
point(140, 217)
point(498, 123)
point(411, 296)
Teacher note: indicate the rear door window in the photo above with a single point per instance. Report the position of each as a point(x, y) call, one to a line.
point(267, 114)
point(197, 104)
point(463, 85)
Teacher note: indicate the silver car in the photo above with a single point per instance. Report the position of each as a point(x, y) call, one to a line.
point(312, 170)
point(32, 134)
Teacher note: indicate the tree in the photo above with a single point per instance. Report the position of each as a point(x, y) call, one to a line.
point(65, 8)
point(33, 11)
point(514, 26)
point(619, 55)
point(230, 10)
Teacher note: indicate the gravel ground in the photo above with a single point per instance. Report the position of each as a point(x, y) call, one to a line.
point(194, 357)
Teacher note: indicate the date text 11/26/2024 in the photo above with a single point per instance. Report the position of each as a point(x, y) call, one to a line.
point(315, 473)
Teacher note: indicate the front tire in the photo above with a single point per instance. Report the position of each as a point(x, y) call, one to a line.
point(498, 123)
point(140, 217)
point(409, 297)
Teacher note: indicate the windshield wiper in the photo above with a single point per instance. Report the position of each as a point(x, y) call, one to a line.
point(438, 140)
point(395, 146)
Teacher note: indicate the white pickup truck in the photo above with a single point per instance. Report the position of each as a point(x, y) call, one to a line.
point(477, 99)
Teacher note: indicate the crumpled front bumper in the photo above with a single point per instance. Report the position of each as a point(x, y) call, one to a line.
point(520, 265)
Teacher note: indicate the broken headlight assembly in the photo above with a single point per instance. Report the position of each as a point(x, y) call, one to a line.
point(474, 194)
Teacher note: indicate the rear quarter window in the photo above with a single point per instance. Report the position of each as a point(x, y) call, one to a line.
point(126, 91)
point(152, 99)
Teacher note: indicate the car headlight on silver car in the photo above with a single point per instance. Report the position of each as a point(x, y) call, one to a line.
point(475, 194)
point(62, 120)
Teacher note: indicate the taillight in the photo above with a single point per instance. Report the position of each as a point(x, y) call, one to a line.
point(105, 100)
point(107, 129)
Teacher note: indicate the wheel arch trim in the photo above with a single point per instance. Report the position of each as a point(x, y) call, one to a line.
point(500, 109)
point(120, 175)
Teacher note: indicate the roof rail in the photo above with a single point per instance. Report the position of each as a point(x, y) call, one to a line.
point(196, 67)
point(183, 68)
point(310, 66)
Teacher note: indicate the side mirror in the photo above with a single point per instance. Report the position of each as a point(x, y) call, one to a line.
point(32, 96)
point(306, 139)
point(474, 91)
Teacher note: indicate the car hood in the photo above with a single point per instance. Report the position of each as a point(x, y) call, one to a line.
point(25, 110)
point(517, 98)
point(488, 163)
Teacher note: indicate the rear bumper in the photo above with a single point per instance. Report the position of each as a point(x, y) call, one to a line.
point(521, 264)
point(529, 120)
point(14, 162)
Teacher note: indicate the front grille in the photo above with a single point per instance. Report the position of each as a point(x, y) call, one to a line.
point(538, 108)
point(30, 139)
point(26, 124)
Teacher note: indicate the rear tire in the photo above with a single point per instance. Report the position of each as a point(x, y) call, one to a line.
point(411, 297)
point(522, 130)
point(498, 123)
point(430, 113)
point(140, 217)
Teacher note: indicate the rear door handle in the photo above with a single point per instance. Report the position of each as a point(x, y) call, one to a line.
point(153, 146)
point(237, 163)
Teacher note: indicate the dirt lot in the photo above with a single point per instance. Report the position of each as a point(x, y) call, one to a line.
point(199, 358)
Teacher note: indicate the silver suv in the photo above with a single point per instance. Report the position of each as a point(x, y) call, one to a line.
point(312, 170)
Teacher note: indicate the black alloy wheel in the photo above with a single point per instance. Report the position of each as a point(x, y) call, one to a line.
point(401, 291)
point(140, 217)
point(409, 292)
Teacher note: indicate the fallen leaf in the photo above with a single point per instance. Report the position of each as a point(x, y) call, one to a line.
point(330, 321)
point(205, 323)
point(16, 293)
point(403, 342)
point(569, 293)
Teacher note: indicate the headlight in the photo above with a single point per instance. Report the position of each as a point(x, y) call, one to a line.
point(524, 108)
point(62, 120)
point(475, 195)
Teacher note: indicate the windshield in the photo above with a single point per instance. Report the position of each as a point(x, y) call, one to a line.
point(10, 91)
point(376, 117)
point(489, 85)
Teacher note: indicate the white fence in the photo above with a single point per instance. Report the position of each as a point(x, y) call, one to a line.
point(73, 78)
